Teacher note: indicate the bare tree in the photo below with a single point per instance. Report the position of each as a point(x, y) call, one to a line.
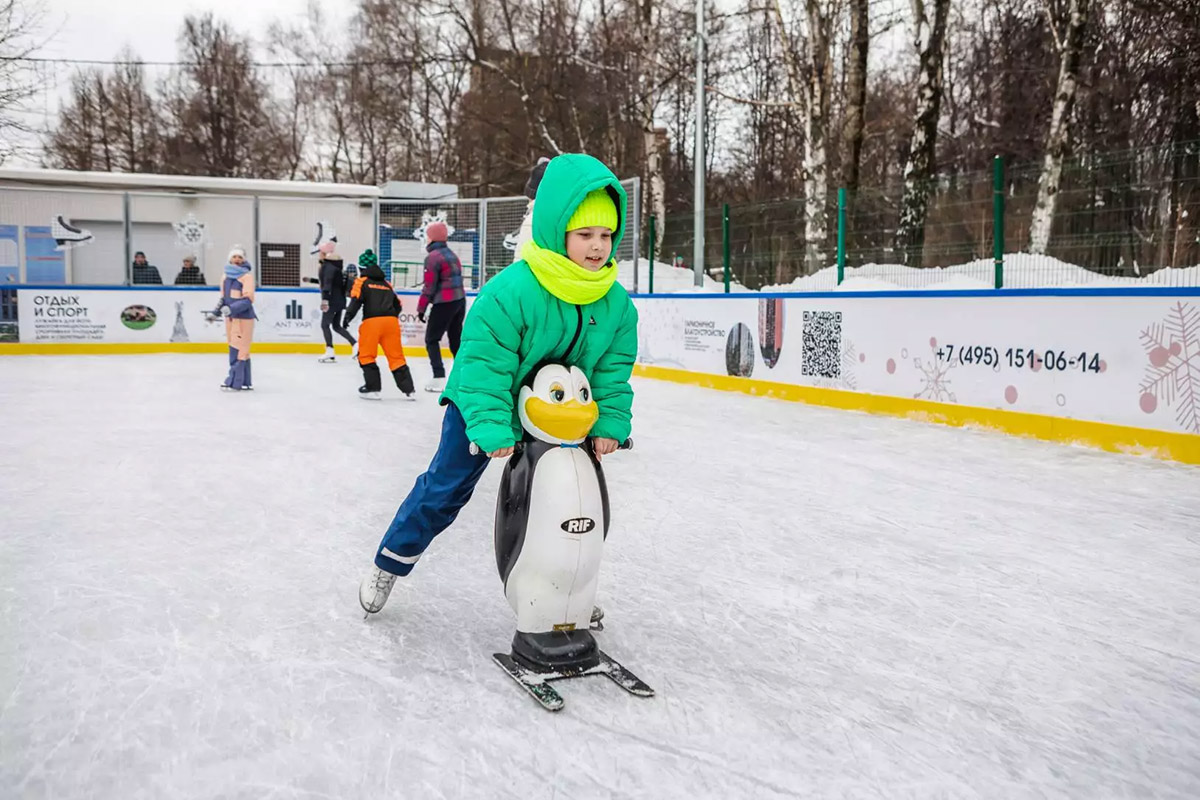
point(1069, 45)
point(18, 81)
point(816, 130)
point(109, 123)
point(919, 169)
point(221, 117)
point(856, 93)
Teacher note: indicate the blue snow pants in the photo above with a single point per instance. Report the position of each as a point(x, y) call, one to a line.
point(435, 500)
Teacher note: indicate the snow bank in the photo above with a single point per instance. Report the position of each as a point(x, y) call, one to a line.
point(1021, 271)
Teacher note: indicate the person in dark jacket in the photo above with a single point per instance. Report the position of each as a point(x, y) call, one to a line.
point(144, 272)
point(333, 300)
point(444, 292)
point(190, 274)
point(380, 326)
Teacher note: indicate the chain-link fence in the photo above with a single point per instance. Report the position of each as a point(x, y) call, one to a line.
point(483, 233)
point(112, 237)
point(1130, 214)
point(98, 237)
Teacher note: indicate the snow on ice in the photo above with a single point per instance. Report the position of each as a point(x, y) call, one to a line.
point(829, 604)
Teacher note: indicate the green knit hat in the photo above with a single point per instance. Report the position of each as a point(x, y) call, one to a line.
point(368, 259)
point(596, 208)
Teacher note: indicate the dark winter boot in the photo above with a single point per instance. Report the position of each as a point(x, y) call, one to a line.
point(229, 377)
point(373, 383)
point(239, 376)
point(556, 650)
point(404, 381)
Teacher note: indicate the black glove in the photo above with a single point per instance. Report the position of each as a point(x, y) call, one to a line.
point(421, 315)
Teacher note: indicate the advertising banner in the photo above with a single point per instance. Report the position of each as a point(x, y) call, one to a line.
point(1125, 360)
point(178, 315)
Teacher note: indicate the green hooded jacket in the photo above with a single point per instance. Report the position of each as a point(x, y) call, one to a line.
point(515, 324)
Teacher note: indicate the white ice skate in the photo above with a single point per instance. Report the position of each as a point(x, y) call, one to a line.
point(436, 385)
point(328, 358)
point(374, 590)
point(366, 395)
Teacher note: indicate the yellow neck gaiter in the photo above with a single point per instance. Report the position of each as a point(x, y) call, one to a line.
point(565, 279)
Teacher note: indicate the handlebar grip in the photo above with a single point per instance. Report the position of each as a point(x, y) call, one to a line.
point(474, 448)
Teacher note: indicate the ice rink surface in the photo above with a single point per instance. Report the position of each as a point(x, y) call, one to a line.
point(830, 604)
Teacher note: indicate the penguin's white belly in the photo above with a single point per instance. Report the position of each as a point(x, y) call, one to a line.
point(552, 584)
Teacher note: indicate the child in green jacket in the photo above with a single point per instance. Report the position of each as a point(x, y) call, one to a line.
point(560, 302)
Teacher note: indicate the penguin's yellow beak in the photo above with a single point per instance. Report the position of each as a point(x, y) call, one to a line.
point(569, 421)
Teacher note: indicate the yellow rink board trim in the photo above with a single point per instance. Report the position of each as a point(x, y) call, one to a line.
point(140, 348)
point(1183, 447)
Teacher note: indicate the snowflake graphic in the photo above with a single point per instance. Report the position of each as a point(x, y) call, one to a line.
point(1173, 374)
point(934, 374)
point(427, 219)
point(189, 232)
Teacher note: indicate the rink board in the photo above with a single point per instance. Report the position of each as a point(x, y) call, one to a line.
point(1117, 368)
point(73, 319)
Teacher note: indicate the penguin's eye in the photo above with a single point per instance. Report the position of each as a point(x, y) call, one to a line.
point(584, 394)
point(557, 393)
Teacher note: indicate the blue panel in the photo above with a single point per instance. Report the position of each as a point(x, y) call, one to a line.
point(43, 264)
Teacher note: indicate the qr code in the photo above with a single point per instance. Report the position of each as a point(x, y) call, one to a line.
point(822, 344)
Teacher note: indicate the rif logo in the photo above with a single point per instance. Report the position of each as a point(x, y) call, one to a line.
point(579, 525)
point(294, 310)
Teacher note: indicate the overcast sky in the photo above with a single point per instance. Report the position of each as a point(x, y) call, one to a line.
point(91, 29)
point(98, 29)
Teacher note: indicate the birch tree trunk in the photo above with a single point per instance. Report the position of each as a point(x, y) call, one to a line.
point(656, 185)
point(816, 139)
point(919, 169)
point(1050, 178)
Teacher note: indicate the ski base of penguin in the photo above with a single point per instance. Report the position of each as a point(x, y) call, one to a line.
point(552, 520)
point(537, 681)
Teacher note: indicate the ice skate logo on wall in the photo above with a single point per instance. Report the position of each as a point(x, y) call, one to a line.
point(68, 236)
point(427, 219)
point(189, 232)
point(579, 525)
point(325, 233)
point(138, 318)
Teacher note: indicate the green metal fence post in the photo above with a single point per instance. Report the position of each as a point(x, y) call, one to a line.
point(841, 240)
point(650, 247)
point(998, 218)
point(725, 243)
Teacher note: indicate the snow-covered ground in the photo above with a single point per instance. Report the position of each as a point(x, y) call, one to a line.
point(829, 604)
point(1021, 271)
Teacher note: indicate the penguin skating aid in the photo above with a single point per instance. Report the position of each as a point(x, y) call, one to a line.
point(552, 518)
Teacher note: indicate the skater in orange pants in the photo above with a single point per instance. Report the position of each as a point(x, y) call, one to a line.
point(380, 326)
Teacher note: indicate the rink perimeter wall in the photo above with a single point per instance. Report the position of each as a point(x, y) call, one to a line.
point(168, 319)
point(1113, 368)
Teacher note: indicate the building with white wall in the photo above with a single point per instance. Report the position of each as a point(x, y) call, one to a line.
point(169, 217)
